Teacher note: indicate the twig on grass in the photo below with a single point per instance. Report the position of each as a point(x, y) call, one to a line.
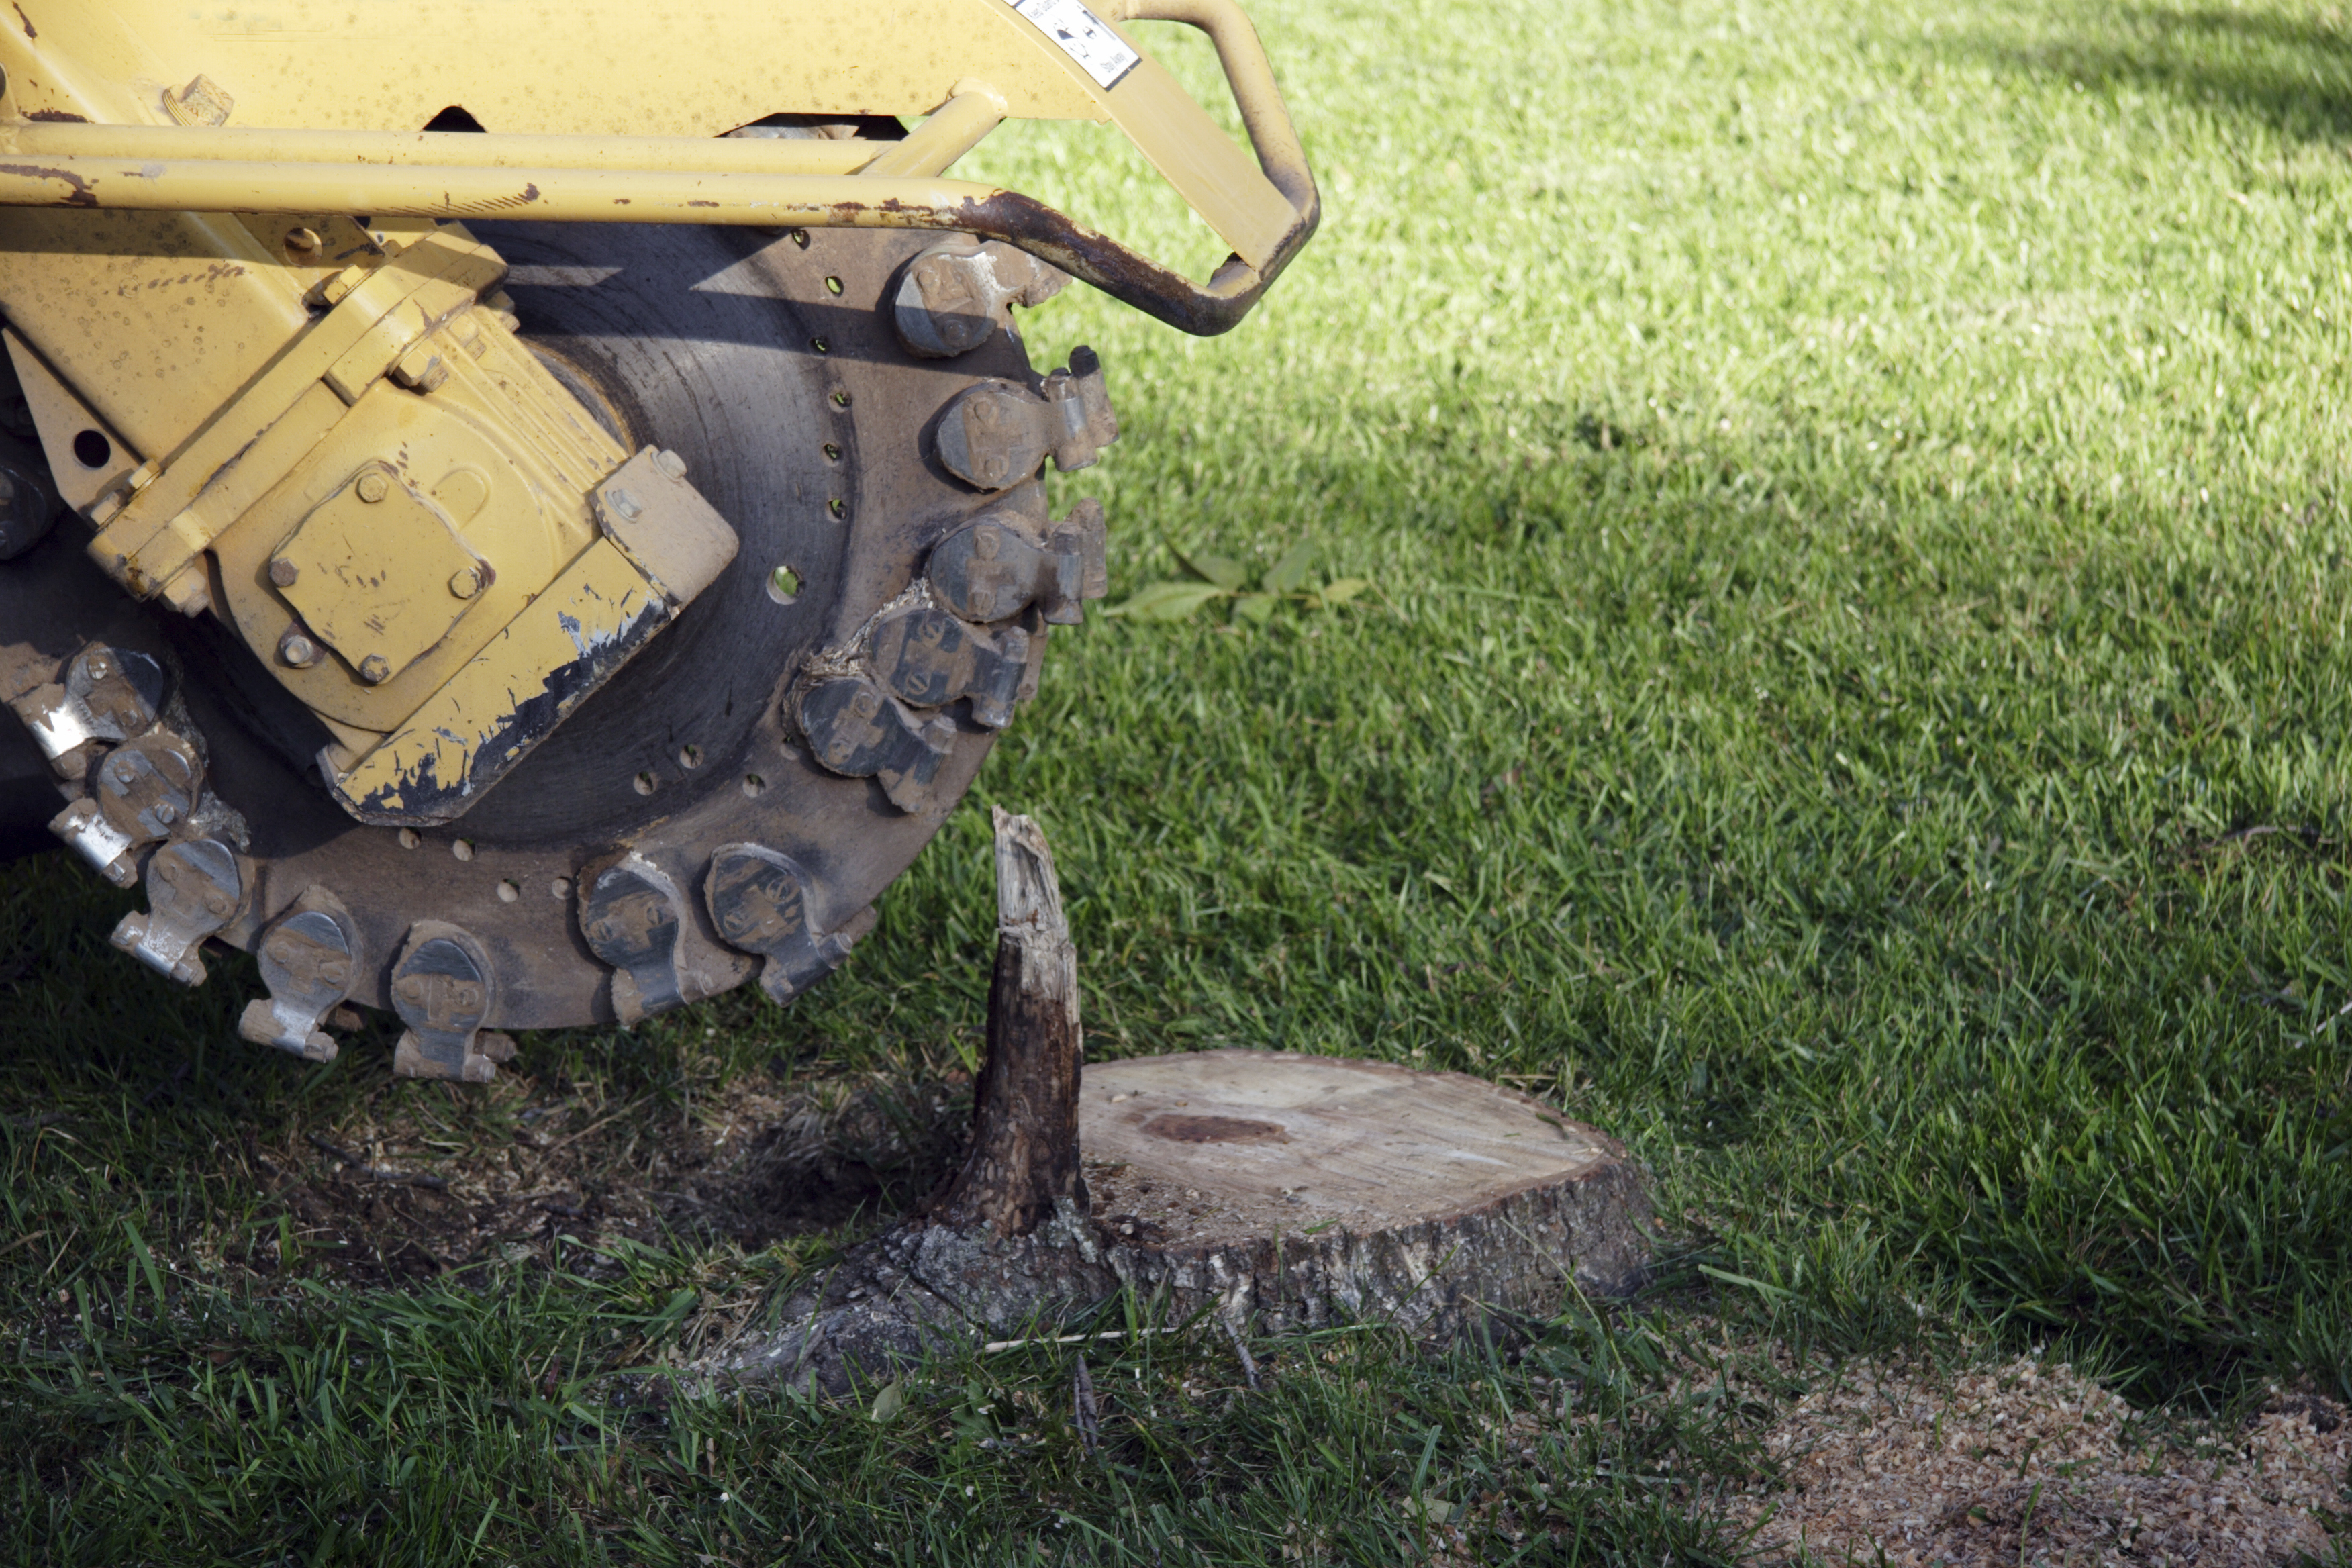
point(376, 1173)
point(1086, 1413)
point(1249, 1362)
point(992, 1346)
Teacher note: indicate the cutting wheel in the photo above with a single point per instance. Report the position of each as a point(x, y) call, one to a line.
point(680, 833)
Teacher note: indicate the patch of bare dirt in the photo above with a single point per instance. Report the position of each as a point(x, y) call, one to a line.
point(2028, 1464)
point(426, 1179)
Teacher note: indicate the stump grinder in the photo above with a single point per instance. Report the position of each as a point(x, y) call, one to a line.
point(531, 516)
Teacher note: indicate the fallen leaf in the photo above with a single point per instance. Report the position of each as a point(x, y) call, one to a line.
point(1341, 591)
point(1287, 573)
point(1166, 601)
point(1223, 570)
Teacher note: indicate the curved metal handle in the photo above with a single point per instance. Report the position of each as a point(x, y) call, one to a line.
point(1135, 280)
point(1248, 72)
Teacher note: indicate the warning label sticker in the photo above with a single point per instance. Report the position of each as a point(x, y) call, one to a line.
point(1100, 53)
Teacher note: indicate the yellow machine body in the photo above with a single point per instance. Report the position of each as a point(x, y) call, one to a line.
point(249, 370)
point(283, 384)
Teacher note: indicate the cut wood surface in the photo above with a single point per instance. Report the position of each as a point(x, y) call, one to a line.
point(1216, 1147)
point(1277, 1191)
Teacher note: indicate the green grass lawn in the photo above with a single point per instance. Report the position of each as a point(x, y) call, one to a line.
point(1852, 701)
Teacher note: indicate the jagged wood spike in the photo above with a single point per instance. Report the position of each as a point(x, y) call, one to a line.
point(1025, 1144)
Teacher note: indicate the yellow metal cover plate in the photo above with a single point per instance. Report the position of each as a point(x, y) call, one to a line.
point(376, 571)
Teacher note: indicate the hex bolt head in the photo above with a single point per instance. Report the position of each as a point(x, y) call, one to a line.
point(466, 582)
point(298, 650)
point(373, 487)
point(670, 463)
point(375, 670)
point(283, 571)
point(625, 505)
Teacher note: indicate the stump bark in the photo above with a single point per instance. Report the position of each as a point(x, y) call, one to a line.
point(1275, 1191)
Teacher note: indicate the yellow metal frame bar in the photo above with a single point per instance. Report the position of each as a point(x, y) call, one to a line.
point(1265, 213)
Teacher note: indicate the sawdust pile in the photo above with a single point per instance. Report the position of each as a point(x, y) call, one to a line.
point(2034, 1464)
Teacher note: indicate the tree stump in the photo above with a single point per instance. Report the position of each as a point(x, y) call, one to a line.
point(1275, 1191)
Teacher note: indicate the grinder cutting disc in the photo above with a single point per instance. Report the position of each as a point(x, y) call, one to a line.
point(731, 803)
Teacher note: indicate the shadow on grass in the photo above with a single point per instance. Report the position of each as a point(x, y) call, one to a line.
point(723, 1128)
point(2292, 74)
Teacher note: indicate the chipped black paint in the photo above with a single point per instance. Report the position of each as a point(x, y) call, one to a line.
point(422, 799)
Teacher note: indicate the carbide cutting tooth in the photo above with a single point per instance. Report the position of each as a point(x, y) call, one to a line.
point(103, 694)
point(759, 900)
point(193, 888)
point(990, 570)
point(928, 658)
point(632, 916)
point(309, 959)
point(143, 791)
point(444, 990)
point(859, 730)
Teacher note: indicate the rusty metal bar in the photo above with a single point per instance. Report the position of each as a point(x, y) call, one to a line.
point(48, 141)
point(634, 196)
point(564, 195)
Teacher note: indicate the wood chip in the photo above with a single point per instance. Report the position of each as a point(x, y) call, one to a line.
point(2030, 1463)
